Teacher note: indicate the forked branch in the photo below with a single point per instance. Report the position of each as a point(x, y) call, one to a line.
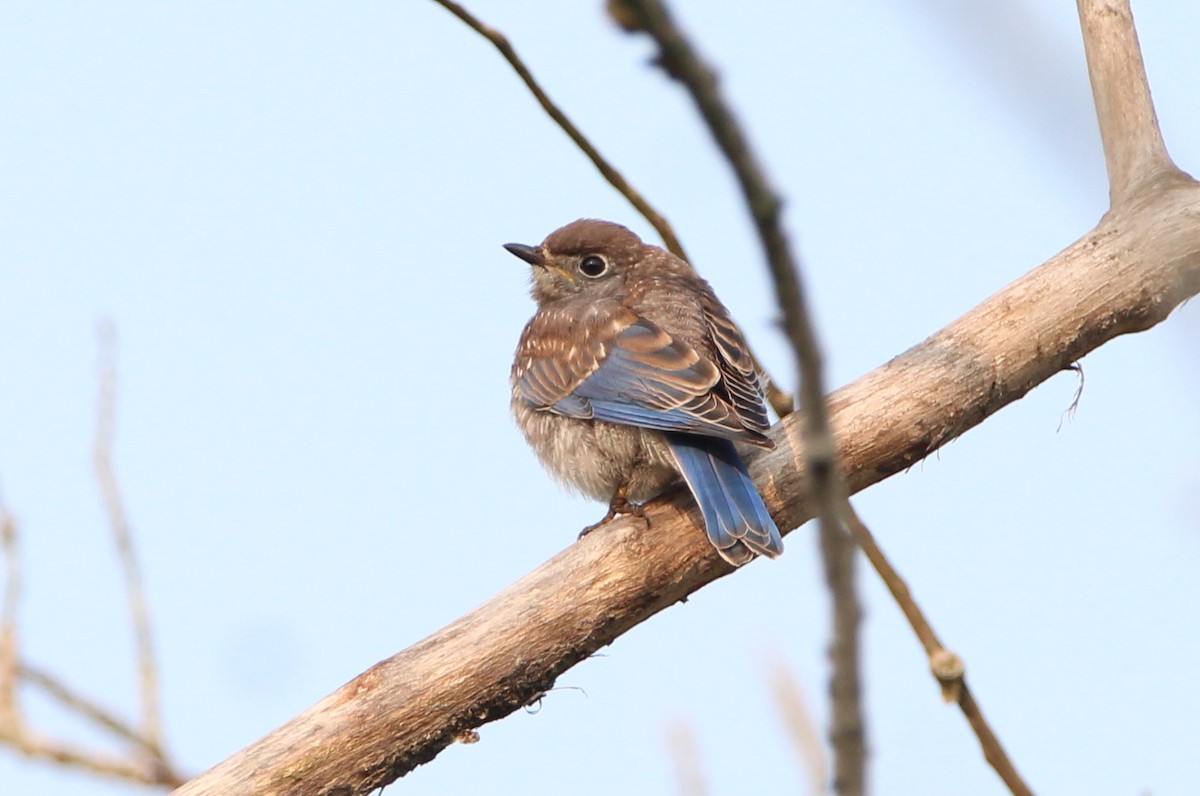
point(146, 761)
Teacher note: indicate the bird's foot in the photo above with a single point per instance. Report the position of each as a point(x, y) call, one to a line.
point(617, 506)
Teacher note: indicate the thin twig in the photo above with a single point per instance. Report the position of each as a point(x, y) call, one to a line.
point(681, 61)
point(13, 730)
point(614, 177)
point(151, 716)
point(147, 773)
point(947, 667)
point(82, 706)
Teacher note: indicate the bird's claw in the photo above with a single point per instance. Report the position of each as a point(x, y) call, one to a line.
point(618, 506)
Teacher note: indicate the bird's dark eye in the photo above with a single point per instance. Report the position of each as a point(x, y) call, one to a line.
point(593, 265)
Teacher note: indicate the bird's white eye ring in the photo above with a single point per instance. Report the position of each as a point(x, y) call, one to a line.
point(593, 266)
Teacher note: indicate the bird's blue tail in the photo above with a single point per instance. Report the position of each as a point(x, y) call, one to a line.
point(735, 516)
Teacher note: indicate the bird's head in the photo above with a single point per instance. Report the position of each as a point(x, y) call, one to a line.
point(586, 257)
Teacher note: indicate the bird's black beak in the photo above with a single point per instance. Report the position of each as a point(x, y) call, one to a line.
point(530, 254)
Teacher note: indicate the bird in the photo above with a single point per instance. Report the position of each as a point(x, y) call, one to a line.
point(631, 377)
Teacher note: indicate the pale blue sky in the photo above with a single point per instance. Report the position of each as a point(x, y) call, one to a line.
point(293, 215)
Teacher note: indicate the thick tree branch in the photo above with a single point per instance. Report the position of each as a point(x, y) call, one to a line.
point(1124, 276)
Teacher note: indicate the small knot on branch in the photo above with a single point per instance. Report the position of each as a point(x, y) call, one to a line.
point(949, 670)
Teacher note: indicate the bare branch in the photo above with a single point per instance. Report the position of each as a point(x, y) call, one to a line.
point(680, 60)
point(151, 720)
point(14, 732)
point(1124, 276)
point(1133, 146)
point(946, 666)
point(80, 705)
point(39, 747)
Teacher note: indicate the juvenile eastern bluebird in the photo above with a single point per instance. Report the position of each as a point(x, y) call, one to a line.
point(631, 374)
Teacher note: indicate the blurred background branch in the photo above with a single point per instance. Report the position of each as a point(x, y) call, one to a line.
point(145, 760)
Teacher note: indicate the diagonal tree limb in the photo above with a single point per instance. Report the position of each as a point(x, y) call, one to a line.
point(1124, 276)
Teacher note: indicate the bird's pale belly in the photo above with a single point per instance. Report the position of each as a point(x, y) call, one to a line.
point(596, 457)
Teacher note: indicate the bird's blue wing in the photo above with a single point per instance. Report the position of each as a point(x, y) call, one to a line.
point(650, 379)
point(622, 368)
